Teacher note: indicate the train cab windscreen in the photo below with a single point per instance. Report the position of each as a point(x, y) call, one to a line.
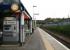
point(9, 1)
point(7, 10)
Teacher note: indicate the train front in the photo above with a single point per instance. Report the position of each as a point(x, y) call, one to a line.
point(9, 20)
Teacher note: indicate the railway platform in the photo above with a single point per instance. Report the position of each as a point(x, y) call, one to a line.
point(39, 40)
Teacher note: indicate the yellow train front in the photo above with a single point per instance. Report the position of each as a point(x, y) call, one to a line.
point(13, 20)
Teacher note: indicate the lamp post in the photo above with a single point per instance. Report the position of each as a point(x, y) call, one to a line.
point(34, 16)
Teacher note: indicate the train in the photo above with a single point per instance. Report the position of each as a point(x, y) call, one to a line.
point(15, 22)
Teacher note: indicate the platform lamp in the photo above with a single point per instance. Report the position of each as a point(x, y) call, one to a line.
point(34, 17)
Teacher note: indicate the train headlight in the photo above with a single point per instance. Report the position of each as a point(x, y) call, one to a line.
point(14, 7)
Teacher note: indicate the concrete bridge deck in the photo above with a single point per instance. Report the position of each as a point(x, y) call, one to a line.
point(40, 40)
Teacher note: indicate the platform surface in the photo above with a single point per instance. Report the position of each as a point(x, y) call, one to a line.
point(39, 40)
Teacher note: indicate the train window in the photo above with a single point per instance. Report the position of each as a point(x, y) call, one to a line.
point(1, 1)
point(7, 27)
point(17, 1)
point(10, 1)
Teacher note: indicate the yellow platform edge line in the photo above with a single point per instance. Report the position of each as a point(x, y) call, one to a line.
point(47, 44)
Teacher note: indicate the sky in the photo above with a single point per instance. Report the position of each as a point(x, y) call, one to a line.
point(47, 8)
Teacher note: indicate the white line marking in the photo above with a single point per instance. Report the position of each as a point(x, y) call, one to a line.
point(60, 43)
point(56, 40)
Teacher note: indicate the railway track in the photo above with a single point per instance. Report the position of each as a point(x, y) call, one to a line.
point(65, 42)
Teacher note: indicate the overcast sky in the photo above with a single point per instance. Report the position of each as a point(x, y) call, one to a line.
point(48, 8)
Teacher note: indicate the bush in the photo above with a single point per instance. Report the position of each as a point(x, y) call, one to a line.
point(64, 29)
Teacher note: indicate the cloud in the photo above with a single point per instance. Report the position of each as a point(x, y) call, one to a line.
point(48, 8)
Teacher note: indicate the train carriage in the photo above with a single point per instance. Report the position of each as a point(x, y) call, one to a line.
point(13, 19)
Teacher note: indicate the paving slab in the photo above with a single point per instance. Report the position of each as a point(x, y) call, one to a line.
point(34, 43)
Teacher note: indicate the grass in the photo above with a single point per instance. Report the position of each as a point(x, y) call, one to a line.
point(64, 29)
